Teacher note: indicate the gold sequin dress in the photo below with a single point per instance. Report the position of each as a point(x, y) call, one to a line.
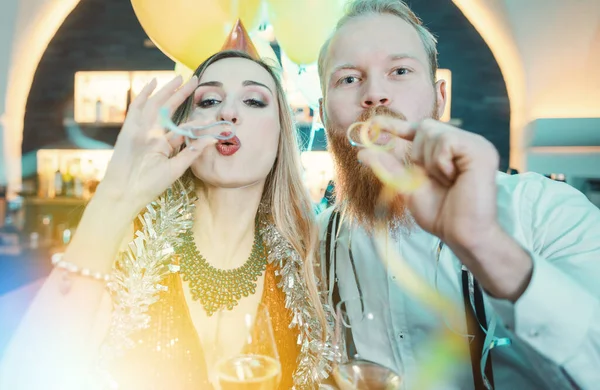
point(168, 354)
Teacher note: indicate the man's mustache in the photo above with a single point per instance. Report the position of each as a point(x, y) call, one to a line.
point(379, 111)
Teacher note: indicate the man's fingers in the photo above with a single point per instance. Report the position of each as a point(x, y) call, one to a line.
point(397, 127)
point(444, 161)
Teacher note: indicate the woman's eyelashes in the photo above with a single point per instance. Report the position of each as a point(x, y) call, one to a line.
point(206, 103)
point(255, 103)
point(250, 102)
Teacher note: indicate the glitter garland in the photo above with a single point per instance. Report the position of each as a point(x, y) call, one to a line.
point(140, 270)
point(316, 356)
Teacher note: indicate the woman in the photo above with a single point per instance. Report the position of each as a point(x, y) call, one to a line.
point(224, 201)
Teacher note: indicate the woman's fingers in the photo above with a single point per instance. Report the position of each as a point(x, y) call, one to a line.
point(188, 155)
point(160, 98)
point(140, 100)
point(181, 94)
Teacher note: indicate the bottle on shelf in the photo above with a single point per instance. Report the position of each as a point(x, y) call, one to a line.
point(3, 205)
point(43, 189)
point(93, 181)
point(128, 102)
point(86, 175)
point(99, 111)
point(45, 172)
point(58, 183)
point(78, 184)
point(68, 182)
point(86, 112)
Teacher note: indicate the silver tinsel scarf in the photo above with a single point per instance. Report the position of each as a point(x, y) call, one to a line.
point(140, 270)
point(316, 356)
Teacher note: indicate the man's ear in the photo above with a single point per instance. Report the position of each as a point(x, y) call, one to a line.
point(441, 95)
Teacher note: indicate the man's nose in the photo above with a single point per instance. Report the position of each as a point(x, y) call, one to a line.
point(375, 95)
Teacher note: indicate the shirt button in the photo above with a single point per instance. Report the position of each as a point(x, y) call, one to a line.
point(401, 336)
point(534, 333)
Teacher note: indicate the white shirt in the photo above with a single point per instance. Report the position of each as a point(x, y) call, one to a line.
point(555, 324)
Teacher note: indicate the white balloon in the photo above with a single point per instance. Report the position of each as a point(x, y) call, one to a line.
point(265, 51)
point(305, 80)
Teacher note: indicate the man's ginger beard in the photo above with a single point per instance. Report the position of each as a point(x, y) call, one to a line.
point(356, 186)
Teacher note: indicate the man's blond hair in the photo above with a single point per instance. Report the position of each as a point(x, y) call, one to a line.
point(358, 8)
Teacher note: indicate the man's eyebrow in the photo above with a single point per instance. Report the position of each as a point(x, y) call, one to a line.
point(338, 68)
point(404, 56)
point(393, 57)
point(342, 67)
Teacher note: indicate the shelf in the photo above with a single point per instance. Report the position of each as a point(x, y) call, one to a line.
point(58, 201)
point(101, 125)
point(104, 95)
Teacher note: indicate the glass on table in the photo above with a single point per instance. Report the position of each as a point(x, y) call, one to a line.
point(351, 370)
point(247, 358)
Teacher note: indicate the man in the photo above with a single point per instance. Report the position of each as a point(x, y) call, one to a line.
point(532, 244)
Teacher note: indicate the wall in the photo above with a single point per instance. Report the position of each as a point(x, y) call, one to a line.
point(35, 22)
point(97, 35)
point(479, 95)
point(8, 10)
point(549, 51)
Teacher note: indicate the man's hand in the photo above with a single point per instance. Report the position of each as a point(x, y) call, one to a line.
point(457, 200)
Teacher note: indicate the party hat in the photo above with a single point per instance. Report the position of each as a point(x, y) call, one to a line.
point(238, 39)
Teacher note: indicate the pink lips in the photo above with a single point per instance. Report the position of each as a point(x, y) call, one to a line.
point(228, 147)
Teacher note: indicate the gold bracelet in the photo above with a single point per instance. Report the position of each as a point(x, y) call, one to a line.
point(71, 268)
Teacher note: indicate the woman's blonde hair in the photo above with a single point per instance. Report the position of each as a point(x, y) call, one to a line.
point(284, 195)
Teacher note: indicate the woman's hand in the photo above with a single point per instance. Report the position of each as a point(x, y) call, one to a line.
point(142, 167)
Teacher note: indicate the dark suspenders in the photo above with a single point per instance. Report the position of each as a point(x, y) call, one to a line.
point(474, 317)
point(334, 220)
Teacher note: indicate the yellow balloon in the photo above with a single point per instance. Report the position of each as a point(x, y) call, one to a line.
point(187, 31)
point(183, 71)
point(247, 10)
point(262, 46)
point(302, 26)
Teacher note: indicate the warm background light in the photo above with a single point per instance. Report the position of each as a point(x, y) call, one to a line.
point(548, 52)
point(318, 170)
point(101, 97)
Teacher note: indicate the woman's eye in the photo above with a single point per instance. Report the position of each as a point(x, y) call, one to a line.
point(255, 103)
point(205, 103)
